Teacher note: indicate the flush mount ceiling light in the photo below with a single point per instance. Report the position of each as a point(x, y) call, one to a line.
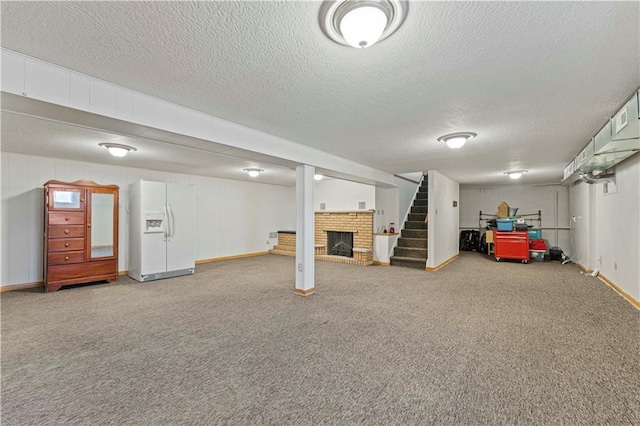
point(318, 177)
point(516, 174)
point(117, 150)
point(457, 140)
point(361, 23)
point(253, 172)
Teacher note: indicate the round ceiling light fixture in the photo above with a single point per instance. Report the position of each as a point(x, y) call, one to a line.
point(117, 150)
point(457, 140)
point(515, 174)
point(361, 23)
point(318, 176)
point(253, 171)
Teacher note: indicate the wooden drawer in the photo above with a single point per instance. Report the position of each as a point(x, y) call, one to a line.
point(73, 231)
point(68, 218)
point(66, 244)
point(78, 273)
point(65, 257)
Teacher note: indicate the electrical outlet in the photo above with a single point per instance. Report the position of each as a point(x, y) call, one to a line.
point(615, 266)
point(300, 267)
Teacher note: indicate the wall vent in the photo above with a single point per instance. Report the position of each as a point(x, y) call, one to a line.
point(362, 205)
point(323, 206)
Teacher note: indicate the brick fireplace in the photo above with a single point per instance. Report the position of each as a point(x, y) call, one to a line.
point(359, 223)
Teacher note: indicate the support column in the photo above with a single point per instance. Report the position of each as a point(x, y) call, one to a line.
point(305, 231)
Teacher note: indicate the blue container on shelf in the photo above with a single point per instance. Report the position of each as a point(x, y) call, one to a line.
point(535, 233)
point(504, 224)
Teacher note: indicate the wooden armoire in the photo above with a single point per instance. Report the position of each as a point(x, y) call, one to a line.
point(80, 233)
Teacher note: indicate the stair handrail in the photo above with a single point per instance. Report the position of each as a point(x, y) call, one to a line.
point(406, 216)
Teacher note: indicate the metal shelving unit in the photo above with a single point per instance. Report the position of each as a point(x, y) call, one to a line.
point(485, 217)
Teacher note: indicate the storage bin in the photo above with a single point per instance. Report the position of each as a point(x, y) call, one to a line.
point(535, 233)
point(536, 255)
point(537, 244)
point(504, 224)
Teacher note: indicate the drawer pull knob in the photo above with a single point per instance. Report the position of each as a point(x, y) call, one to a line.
point(66, 244)
point(66, 231)
point(66, 218)
point(66, 258)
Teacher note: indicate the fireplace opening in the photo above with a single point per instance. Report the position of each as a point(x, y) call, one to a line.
point(340, 243)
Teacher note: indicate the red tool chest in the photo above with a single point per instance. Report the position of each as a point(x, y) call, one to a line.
point(511, 245)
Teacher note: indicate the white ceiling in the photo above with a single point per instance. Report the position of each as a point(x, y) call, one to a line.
point(535, 80)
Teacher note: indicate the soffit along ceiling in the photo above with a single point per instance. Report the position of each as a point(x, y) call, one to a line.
point(535, 80)
point(48, 138)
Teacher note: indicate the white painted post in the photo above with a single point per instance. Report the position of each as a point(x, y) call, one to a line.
point(305, 232)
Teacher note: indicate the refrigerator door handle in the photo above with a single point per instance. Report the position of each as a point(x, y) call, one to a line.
point(167, 225)
point(172, 221)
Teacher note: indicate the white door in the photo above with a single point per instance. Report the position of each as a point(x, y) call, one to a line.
point(182, 223)
point(154, 245)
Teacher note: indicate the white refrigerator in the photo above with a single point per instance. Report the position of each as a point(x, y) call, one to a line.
point(161, 230)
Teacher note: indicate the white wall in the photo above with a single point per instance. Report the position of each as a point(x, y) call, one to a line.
point(444, 219)
point(232, 217)
point(606, 234)
point(528, 199)
point(338, 194)
point(583, 230)
point(406, 194)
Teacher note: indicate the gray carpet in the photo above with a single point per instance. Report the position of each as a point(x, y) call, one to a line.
point(478, 342)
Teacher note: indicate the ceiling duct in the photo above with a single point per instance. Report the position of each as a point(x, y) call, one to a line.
point(615, 142)
point(601, 178)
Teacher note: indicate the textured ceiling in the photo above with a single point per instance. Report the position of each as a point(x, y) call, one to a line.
point(535, 80)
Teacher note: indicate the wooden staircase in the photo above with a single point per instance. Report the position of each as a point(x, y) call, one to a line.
point(411, 250)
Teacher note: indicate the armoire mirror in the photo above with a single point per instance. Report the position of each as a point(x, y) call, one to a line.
point(102, 235)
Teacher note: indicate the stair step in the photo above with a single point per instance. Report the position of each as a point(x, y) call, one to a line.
point(424, 189)
point(417, 217)
point(415, 225)
point(414, 253)
point(422, 196)
point(408, 262)
point(414, 233)
point(420, 202)
point(419, 209)
point(412, 242)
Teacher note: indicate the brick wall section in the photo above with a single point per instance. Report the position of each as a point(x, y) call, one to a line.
point(360, 221)
point(286, 242)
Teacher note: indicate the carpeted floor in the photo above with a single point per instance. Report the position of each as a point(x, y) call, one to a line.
point(478, 342)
